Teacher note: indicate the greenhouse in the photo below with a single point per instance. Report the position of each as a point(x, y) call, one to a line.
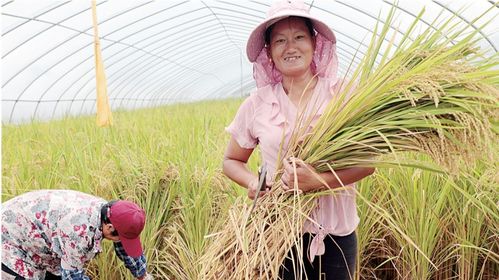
point(282, 139)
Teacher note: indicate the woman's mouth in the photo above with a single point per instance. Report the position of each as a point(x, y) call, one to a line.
point(291, 58)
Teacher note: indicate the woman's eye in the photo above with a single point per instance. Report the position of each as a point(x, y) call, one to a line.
point(279, 41)
point(299, 37)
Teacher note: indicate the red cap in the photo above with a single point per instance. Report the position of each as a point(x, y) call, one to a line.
point(129, 220)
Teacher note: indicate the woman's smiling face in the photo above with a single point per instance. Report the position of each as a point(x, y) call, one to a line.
point(291, 46)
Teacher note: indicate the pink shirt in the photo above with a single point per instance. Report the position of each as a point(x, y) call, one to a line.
point(267, 118)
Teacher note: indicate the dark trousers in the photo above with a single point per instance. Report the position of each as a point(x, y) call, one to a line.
point(337, 262)
point(48, 275)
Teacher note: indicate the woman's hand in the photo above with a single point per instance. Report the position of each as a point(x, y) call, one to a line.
point(308, 179)
point(253, 186)
point(146, 276)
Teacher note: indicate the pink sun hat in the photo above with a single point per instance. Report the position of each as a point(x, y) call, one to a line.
point(280, 10)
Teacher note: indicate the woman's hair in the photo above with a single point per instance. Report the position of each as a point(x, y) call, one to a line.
point(104, 211)
point(307, 21)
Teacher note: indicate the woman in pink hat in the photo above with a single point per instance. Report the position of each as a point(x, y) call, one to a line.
point(295, 67)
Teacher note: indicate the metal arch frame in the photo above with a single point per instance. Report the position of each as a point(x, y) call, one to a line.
point(146, 62)
point(409, 13)
point(152, 84)
point(29, 64)
point(428, 23)
point(215, 56)
point(5, 4)
point(185, 86)
point(222, 51)
point(471, 24)
point(141, 19)
point(372, 17)
point(334, 14)
point(230, 39)
point(180, 74)
point(60, 25)
point(178, 87)
point(166, 49)
point(347, 35)
point(79, 64)
point(40, 32)
point(235, 11)
point(231, 3)
point(54, 108)
point(165, 81)
point(398, 7)
point(146, 52)
point(179, 77)
point(89, 100)
point(41, 14)
point(221, 24)
point(90, 57)
point(90, 91)
point(248, 83)
point(80, 32)
point(162, 75)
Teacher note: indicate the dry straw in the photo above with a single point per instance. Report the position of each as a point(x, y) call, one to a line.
point(435, 94)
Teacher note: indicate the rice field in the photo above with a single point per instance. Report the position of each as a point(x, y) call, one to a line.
point(415, 224)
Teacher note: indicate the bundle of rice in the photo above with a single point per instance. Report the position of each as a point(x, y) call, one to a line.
point(436, 94)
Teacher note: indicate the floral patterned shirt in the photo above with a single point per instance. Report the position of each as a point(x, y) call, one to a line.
point(52, 230)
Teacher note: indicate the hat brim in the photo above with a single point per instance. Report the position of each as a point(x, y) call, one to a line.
point(256, 40)
point(133, 247)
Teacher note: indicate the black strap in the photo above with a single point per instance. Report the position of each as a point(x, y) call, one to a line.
point(11, 272)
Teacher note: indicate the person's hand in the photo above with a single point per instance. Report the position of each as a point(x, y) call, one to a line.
point(146, 276)
point(253, 186)
point(306, 176)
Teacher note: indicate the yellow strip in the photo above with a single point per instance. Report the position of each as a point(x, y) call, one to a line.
point(104, 116)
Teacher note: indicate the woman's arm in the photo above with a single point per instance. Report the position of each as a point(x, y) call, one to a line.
point(308, 180)
point(137, 266)
point(235, 167)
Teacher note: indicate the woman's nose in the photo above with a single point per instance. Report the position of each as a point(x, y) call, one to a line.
point(291, 45)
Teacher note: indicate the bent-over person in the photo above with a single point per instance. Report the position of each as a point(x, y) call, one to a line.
point(52, 234)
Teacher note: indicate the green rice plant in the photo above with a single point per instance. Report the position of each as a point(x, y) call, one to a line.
point(149, 156)
point(475, 228)
point(418, 205)
point(74, 154)
point(375, 251)
point(198, 213)
point(435, 94)
point(451, 222)
point(147, 159)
